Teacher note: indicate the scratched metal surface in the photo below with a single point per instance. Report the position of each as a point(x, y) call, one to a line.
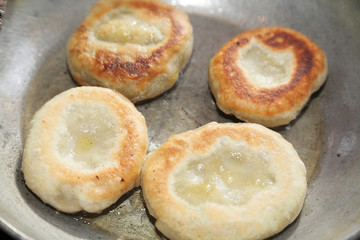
point(326, 134)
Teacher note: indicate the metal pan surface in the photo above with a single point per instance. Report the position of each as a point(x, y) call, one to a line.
point(326, 134)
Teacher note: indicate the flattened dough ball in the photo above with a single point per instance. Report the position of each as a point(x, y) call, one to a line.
point(267, 75)
point(84, 149)
point(224, 181)
point(137, 47)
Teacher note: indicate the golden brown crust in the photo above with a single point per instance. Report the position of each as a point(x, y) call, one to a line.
point(265, 214)
point(52, 175)
point(137, 70)
point(271, 106)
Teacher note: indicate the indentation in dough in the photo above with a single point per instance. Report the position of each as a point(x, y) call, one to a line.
point(264, 67)
point(230, 174)
point(87, 135)
point(123, 27)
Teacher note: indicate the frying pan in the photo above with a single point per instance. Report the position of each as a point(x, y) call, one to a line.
point(325, 134)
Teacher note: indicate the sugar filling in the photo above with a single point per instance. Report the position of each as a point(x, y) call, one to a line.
point(264, 67)
point(123, 27)
point(88, 135)
point(230, 174)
